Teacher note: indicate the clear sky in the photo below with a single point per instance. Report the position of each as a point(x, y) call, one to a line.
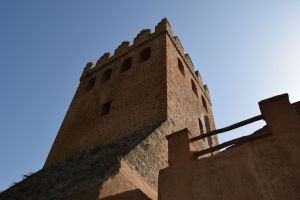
point(245, 51)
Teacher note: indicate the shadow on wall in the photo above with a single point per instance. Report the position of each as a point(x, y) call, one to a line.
point(132, 195)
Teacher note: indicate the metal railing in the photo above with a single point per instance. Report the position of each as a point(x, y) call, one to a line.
point(258, 134)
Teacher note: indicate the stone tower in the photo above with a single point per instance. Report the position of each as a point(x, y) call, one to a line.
point(148, 82)
point(151, 82)
point(111, 144)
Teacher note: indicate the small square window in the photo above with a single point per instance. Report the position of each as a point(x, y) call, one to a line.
point(126, 64)
point(105, 108)
point(145, 54)
point(106, 75)
point(90, 84)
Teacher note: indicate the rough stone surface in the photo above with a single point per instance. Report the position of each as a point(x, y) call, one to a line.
point(80, 173)
point(150, 156)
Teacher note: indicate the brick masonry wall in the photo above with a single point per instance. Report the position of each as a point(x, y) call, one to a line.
point(184, 107)
point(138, 100)
point(184, 110)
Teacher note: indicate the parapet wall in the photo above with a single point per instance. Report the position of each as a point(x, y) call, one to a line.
point(141, 38)
point(266, 168)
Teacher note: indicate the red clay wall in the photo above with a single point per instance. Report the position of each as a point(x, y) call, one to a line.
point(266, 168)
point(185, 108)
point(125, 184)
point(138, 100)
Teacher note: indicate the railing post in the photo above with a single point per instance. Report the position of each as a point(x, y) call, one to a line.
point(279, 114)
point(179, 148)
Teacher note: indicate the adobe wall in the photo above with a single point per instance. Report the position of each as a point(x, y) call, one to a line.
point(263, 169)
point(138, 97)
point(266, 168)
point(185, 108)
point(124, 183)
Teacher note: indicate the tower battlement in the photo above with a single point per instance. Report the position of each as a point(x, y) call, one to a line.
point(141, 38)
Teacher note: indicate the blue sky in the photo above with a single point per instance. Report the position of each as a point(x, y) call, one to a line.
point(245, 51)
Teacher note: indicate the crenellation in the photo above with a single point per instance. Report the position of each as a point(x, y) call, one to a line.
point(162, 26)
point(199, 76)
point(104, 59)
point(122, 48)
point(206, 88)
point(143, 36)
point(186, 59)
point(207, 94)
point(178, 44)
point(89, 65)
point(189, 60)
point(87, 69)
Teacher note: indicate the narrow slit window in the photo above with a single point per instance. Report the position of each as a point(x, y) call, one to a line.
point(145, 54)
point(204, 103)
point(105, 108)
point(207, 124)
point(194, 88)
point(180, 66)
point(90, 84)
point(208, 129)
point(201, 129)
point(126, 64)
point(106, 75)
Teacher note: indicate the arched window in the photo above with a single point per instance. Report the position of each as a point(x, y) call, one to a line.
point(201, 127)
point(145, 54)
point(204, 103)
point(180, 66)
point(194, 88)
point(207, 124)
point(106, 75)
point(126, 64)
point(90, 84)
point(208, 129)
